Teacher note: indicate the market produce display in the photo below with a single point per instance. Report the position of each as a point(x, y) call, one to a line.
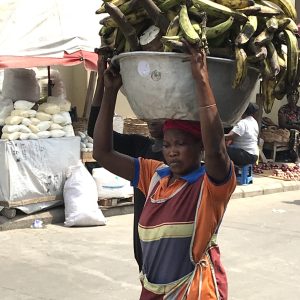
point(51, 119)
point(261, 34)
point(288, 171)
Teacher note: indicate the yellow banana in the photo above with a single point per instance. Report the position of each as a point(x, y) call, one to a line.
point(234, 4)
point(268, 86)
point(197, 27)
point(283, 22)
point(219, 41)
point(186, 26)
point(272, 24)
point(247, 31)
point(287, 7)
point(240, 67)
point(132, 18)
point(218, 10)
point(168, 4)
point(263, 38)
point(219, 29)
point(171, 14)
point(175, 45)
point(297, 79)
point(127, 46)
point(115, 2)
point(266, 70)
point(273, 60)
point(260, 52)
point(101, 10)
point(292, 26)
point(174, 27)
point(106, 31)
point(280, 88)
point(292, 56)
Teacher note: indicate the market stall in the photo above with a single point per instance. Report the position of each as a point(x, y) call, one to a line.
point(34, 154)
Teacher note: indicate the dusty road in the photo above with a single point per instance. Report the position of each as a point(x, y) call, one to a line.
point(259, 240)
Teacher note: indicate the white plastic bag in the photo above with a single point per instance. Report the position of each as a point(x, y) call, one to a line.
point(81, 198)
point(110, 185)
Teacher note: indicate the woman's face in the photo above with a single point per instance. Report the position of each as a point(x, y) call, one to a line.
point(181, 151)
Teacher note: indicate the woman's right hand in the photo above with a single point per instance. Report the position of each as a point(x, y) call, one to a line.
point(112, 78)
point(102, 64)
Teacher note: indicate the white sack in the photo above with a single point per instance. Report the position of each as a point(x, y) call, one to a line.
point(19, 83)
point(81, 198)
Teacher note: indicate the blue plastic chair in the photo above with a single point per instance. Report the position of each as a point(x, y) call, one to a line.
point(244, 174)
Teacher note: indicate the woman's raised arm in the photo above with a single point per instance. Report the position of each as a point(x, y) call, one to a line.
point(117, 163)
point(217, 162)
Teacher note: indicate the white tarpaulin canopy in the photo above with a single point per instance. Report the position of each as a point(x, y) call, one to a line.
point(47, 29)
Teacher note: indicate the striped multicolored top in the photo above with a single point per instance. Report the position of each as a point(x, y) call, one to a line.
point(176, 226)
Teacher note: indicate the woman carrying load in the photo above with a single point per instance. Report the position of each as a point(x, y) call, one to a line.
point(185, 201)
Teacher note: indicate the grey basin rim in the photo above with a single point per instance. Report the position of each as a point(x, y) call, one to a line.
point(121, 56)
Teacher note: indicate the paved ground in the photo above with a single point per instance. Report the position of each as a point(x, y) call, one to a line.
point(259, 239)
point(261, 186)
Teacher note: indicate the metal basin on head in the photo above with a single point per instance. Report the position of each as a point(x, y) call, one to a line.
point(160, 85)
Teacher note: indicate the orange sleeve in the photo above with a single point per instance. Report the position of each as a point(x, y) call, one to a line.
point(211, 210)
point(147, 168)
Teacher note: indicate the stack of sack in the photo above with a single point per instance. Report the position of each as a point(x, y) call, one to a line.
point(86, 142)
point(51, 119)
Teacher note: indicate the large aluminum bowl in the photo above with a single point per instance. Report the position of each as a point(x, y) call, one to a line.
point(160, 85)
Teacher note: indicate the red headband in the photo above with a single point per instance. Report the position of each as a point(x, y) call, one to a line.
point(191, 127)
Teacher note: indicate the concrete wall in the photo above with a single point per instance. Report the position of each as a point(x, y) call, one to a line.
point(76, 80)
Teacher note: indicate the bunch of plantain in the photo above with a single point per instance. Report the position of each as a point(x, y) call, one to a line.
point(260, 34)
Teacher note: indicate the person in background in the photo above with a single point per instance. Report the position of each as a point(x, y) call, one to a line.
point(134, 145)
point(242, 140)
point(185, 201)
point(289, 118)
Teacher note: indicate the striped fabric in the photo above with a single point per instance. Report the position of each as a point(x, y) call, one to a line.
point(173, 268)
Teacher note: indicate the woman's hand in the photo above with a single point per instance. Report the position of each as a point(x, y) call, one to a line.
point(198, 62)
point(112, 78)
